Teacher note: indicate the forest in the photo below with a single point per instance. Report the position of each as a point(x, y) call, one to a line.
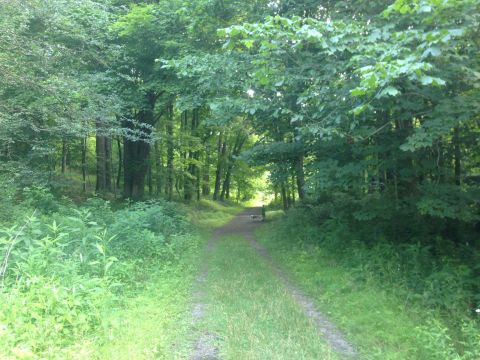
point(225, 179)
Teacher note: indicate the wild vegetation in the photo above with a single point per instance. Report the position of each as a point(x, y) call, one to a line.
point(64, 268)
point(122, 121)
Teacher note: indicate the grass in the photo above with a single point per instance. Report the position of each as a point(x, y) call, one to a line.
point(151, 323)
point(274, 214)
point(381, 325)
point(251, 312)
point(208, 214)
point(155, 324)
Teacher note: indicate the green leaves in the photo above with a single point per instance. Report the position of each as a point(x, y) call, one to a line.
point(360, 109)
point(448, 201)
point(433, 51)
point(429, 80)
point(389, 91)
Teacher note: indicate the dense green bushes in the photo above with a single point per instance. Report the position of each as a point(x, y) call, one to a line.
point(443, 287)
point(65, 265)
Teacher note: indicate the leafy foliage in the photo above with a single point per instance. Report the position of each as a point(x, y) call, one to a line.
point(61, 271)
point(435, 285)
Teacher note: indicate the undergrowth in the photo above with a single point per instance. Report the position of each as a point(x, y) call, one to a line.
point(64, 267)
point(396, 301)
point(208, 214)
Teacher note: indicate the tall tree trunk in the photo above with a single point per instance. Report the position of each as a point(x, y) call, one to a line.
point(237, 148)
point(192, 180)
point(150, 177)
point(170, 153)
point(225, 194)
point(84, 164)
point(283, 192)
point(158, 168)
point(100, 157)
point(137, 150)
point(108, 163)
point(103, 156)
point(64, 155)
point(300, 175)
point(179, 179)
point(198, 179)
point(457, 156)
point(120, 162)
point(293, 189)
point(206, 173)
point(135, 167)
point(196, 155)
point(221, 150)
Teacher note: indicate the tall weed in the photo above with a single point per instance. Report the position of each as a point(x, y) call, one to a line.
point(67, 264)
point(444, 283)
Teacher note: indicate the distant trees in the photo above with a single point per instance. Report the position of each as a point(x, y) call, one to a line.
point(370, 108)
point(334, 97)
point(87, 91)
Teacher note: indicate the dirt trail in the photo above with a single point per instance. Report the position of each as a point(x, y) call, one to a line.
point(245, 225)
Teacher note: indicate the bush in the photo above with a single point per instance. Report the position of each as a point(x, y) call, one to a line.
point(435, 278)
point(65, 265)
point(143, 230)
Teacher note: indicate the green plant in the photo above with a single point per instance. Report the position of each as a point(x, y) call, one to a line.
point(439, 290)
point(61, 270)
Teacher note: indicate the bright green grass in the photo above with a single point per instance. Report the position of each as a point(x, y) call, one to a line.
point(151, 324)
point(274, 214)
point(208, 214)
point(251, 312)
point(379, 324)
point(156, 324)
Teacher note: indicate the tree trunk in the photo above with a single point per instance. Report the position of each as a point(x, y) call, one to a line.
point(237, 148)
point(84, 164)
point(158, 168)
point(150, 175)
point(191, 180)
point(206, 173)
point(198, 177)
point(64, 155)
point(300, 175)
point(293, 189)
point(135, 168)
point(225, 194)
point(284, 196)
point(221, 150)
point(137, 151)
point(170, 153)
point(108, 163)
point(457, 156)
point(120, 162)
point(100, 156)
point(103, 147)
point(196, 154)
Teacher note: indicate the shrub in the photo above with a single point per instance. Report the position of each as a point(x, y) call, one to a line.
point(144, 229)
point(438, 279)
point(65, 265)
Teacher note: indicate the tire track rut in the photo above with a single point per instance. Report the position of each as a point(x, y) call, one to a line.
point(245, 225)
